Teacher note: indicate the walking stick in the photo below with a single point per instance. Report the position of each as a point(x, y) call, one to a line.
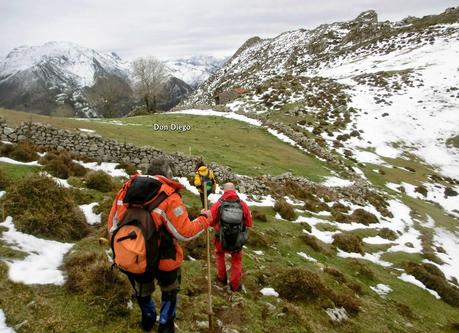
point(209, 281)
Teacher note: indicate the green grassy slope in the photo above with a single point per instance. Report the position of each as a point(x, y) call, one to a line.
point(216, 139)
point(406, 309)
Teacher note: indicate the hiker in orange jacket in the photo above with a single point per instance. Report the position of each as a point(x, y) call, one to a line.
point(171, 218)
point(234, 245)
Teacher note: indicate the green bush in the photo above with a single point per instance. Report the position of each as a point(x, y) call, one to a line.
point(99, 180)
point(285, 210)
point(348, 242)
point(90, 274)
point(42, 208)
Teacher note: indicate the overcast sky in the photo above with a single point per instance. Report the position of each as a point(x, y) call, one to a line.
point(179, 28)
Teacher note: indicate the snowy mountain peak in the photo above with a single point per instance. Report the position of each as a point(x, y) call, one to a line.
point(79, 63)
point(194, 70)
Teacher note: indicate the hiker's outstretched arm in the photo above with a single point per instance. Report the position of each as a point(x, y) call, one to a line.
point(175, 217)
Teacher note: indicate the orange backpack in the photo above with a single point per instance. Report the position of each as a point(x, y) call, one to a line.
point(135, 240)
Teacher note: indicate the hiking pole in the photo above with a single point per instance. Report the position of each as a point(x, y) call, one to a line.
point(209, 282)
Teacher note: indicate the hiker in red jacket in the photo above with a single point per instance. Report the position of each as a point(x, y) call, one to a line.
point(231, 218)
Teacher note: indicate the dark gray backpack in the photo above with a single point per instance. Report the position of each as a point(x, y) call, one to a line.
point(233, 233)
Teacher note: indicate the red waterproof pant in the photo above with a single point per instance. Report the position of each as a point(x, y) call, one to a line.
point(236, 266)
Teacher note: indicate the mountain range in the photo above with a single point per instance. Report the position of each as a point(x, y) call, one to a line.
point(60, 78)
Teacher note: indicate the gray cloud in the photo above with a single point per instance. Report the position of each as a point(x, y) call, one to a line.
point(176, 28)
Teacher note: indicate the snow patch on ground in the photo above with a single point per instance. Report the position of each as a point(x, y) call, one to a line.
point(3, 327)
point(337, 314)
point(58, 181)
point(337, 182)
point(11, 161)
point(449, 241)
point(373, 257)
point(411, 279)
point(41, 266)
point(381, 289)
point(376, 240)
point(269, 292)
point(85, 130)
point(305, 256)
point(91, 217)
point(107, 167)
point(229, 115)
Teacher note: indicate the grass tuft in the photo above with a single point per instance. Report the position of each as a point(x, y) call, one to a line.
point(42, 208)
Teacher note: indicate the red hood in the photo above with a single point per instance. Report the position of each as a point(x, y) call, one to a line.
point(230, 195)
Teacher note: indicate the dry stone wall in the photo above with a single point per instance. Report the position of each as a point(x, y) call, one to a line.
point(102, 149)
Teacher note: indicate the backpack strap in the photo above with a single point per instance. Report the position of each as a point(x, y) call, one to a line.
point(155, 203)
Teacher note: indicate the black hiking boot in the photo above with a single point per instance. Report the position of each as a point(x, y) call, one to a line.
point(167, 327)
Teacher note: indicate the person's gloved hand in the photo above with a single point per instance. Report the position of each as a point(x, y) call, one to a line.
point(208, 216)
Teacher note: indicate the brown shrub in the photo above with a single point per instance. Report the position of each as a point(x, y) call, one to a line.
point(362, 216)
point(362, 270)
point(100, 181)
point(42, 208)
point(348, 242)
point(130, 169)
point(404, 310)
point(312, 242)
point(434, 279)
point(296, 284)
point(23, 151)
point(258, 239)
point(337, 274)
point(91, 274)
point(355, 287)
point(349, 302)
point(58, 169)
point(339, 207)
point(259, 216)
point(60, 164)
point(340, 217)
point(315, 205)
point(285, 210)
point(387, 233)
point(421, 189)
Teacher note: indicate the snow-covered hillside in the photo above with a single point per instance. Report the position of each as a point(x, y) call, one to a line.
point(376, 89)
point(194, 70)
